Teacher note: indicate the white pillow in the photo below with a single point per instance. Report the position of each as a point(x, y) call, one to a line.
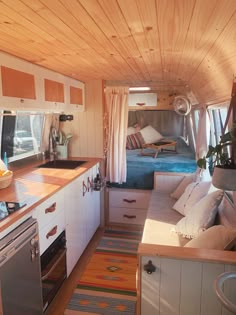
point(130, 130)
point(201, 216)
point(179, 190)
point(192, 194)
point(150, 135)
point(216, 237)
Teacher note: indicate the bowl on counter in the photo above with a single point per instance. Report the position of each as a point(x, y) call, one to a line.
point(5, 178)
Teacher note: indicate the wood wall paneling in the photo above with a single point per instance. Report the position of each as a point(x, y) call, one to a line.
point(17, 83)
point(76, 96)
point(54, 91)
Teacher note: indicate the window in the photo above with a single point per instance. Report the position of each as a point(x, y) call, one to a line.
point(21, 134)
point(217, 119)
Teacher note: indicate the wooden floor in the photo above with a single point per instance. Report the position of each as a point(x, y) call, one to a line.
point(62, 298)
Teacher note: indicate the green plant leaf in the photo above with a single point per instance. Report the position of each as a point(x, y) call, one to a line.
point(201, 163)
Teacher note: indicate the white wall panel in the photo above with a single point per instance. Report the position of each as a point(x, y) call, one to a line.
point(191, 285)
point(183, 287)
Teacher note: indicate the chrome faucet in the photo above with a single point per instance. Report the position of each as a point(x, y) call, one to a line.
point(53, 139)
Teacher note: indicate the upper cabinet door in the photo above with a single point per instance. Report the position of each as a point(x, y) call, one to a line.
point(17, 84)
point(54, 91)
point(76, 96)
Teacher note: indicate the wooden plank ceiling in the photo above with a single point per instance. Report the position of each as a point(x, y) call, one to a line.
point(175, 45)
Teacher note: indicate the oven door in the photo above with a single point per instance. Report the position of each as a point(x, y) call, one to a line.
point(53, 269)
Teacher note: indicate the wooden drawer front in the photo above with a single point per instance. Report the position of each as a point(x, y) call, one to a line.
point(138, 200)
point(128, 216)
point(49, 209)
point(51, 231)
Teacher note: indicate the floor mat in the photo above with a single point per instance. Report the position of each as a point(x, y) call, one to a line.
point(108, 284)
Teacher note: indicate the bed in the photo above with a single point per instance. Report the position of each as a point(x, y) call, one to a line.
point(141, 168)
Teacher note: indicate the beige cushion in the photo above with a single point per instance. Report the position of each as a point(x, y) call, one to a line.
point(150, 135)
point(192, 194)
point(216, 237)
point(201, 216)
point(130, 130)
point(188, 179)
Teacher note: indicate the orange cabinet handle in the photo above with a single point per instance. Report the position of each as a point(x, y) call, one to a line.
point(129, 216)
point(129, 200)
point(52, 232)
point(52, 208)
point(140, 104)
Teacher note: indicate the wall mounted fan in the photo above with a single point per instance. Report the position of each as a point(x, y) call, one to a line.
point(182, 105)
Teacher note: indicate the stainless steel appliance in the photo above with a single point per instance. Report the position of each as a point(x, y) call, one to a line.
point(53, 269)
point(20, 274)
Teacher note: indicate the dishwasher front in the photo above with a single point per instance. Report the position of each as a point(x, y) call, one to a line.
point(20, 273)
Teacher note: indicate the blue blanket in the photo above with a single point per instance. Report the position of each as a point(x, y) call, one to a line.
point(140, 169)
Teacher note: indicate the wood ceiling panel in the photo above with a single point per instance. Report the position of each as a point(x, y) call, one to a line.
point(163, 43)
point(205, 28)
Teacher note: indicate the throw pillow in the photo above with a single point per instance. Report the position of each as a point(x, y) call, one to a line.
point(130, 130)
point(188, 179)
point(150, 135)
point(192, 194)
point(216, 237)
point(134, 141)
point(201, 216)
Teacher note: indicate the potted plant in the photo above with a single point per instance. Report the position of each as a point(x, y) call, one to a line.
point(221, 159)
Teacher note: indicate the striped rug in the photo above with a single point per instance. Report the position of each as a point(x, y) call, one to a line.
point(108, 285)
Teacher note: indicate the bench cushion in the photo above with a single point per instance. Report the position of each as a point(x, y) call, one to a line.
point(161, 220)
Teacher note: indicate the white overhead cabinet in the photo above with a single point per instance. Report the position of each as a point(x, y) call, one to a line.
point(142, 99)
point(25, 86)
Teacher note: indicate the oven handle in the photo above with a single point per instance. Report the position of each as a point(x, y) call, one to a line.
point(54, 265)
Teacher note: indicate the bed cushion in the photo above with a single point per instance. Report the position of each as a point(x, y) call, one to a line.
point(188, 179)
point(150, 135)
point(201, 216)
point(192, 194)
point(130, 131)
point(216, 237)
point(134, 141)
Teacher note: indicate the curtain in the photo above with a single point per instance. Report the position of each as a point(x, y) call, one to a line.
point(117, 108)
point(202, 140)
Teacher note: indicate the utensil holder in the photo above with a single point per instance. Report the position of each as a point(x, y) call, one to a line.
point(62, 152)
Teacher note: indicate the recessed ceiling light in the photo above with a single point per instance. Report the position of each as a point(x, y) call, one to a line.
point(140, 88)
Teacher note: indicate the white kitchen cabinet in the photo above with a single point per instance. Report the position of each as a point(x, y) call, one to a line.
point(128, 206)
point(82, 216)
point(51, 219)
point(25, 86)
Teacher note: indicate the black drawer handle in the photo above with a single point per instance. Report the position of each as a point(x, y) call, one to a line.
point(129, 216)
point(129, 200)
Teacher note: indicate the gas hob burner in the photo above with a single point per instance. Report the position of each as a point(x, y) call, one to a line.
point(9, 207)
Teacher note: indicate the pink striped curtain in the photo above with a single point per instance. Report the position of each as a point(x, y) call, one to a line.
point(117, 108)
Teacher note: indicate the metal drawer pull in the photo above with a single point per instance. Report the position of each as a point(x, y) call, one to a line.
point(149, 267)
point(85, 189)
point(52, 232)
point(129, 200)
point(52, 208)
point(89, 184)
point(54, 265)
point(129, 216)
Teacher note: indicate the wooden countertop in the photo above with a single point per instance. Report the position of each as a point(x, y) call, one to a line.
point(33, 185)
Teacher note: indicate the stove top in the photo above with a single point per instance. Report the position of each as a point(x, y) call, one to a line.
point(7, 208)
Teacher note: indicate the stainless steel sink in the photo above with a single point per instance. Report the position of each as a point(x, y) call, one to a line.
point(66, 164)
